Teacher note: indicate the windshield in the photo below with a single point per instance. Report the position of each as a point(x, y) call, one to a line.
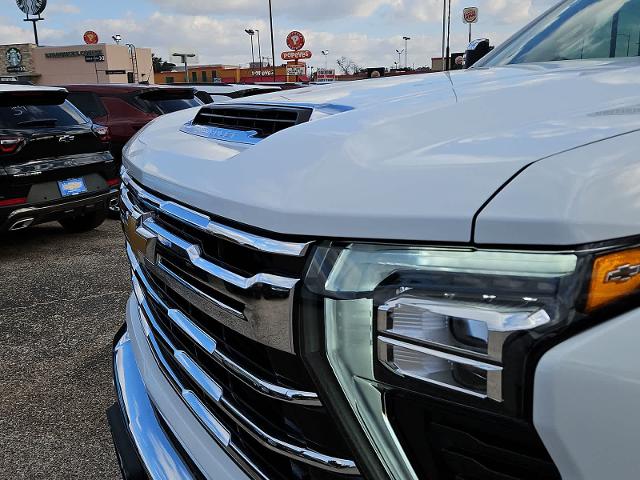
point(573, 30)
point(162, 102)
point(35, 116)
point(175, 104)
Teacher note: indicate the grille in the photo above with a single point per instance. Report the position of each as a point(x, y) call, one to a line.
point(448, 442)
point(265, 120)
point(216, 306)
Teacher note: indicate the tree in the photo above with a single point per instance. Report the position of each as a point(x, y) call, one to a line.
point(348, 66)
point(160, 65)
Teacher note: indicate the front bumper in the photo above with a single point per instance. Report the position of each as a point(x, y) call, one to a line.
point(15, 218)
point(161, 439)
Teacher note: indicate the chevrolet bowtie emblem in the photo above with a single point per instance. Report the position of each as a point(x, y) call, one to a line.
point(622, 274)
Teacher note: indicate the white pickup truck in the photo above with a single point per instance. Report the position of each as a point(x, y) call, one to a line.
point(426, 277)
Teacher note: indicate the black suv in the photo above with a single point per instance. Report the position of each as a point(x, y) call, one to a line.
point(55, 163)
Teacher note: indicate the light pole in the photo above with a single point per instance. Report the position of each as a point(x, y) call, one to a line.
point(399, 52)
point(444, 27)
point(406, 50)
point(184, 57)
point(259, 52)
point(251, 33)
point(326, 56)
point(273, 48)
point(449, 37)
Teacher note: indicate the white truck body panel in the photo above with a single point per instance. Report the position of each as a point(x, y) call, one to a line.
point(418, 167)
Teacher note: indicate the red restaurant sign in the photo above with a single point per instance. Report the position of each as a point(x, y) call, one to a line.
point(299, 55)
point(295, 40)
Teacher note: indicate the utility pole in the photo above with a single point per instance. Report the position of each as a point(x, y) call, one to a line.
point(449, 37)
point(273, 48)
point(444, 28)
point(406, 50)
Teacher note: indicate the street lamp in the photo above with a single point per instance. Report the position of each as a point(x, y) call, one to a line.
point(326, 56)
point(117, 38)
point(399, 52)
point(406, 50)
point(184, 57)
point(251, 33)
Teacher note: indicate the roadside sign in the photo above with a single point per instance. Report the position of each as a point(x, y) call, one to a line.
point(297, 55)
point(470, 15)
point(296, 70)
point(295, 40)
point(325, 75)
point(90, 37)
point(115, 72)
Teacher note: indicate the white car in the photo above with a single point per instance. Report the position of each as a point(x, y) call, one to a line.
point(418, 277)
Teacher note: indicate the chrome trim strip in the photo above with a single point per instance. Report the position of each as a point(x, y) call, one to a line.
point(199, 293)
point(193, 253)
point(274, 444)
point(494, 372)
point(203, 414)
point(248, 137)
point(156, 451)
point(209, 345)
point(54, 207)
point(204, 223)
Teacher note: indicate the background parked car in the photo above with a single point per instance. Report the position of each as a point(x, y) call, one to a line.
point(55, 164)
point(216, 93)
point(126, 108)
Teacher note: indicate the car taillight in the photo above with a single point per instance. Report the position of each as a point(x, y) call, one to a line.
point(7, 202)
point(10, 145)
point(102, 132)
point(113, 182)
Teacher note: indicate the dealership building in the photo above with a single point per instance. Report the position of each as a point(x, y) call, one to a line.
point(99, 63)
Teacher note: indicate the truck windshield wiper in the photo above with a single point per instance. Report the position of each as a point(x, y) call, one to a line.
point(44, 122)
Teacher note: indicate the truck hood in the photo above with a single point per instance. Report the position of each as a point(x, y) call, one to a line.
point(408, 158)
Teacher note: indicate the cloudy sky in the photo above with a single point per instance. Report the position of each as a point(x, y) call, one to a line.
point(367, 31)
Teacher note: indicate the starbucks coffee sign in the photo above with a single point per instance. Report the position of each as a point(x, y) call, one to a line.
point(32, 7)
point(13, 58)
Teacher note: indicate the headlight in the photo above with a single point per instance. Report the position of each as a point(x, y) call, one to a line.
point(452, 323)
point(445, 317)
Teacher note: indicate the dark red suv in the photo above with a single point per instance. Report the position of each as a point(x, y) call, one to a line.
point(126, 108)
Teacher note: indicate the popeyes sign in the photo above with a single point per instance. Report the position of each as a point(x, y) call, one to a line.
point(295, 40)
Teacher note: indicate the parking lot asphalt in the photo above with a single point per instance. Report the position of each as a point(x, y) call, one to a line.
point(62, 298)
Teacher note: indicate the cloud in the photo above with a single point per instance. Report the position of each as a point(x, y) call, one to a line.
point(64, 8)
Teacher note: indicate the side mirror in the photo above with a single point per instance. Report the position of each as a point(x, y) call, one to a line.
point(475, 51)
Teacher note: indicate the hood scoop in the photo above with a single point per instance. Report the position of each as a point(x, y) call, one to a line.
point(245, 123)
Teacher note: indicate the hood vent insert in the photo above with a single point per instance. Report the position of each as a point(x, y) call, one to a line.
point(265, 120)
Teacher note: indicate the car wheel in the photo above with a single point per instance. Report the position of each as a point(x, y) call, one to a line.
point(84, 223)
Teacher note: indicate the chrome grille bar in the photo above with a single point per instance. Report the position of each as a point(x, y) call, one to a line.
point(264, 313)
point(209, 345)
point(193, 253)
point(204, 223)
point(215, 394)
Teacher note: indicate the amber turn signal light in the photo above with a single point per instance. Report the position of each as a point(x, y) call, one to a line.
point(614, 276)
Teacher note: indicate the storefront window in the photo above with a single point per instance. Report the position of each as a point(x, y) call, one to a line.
point(204, 76)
